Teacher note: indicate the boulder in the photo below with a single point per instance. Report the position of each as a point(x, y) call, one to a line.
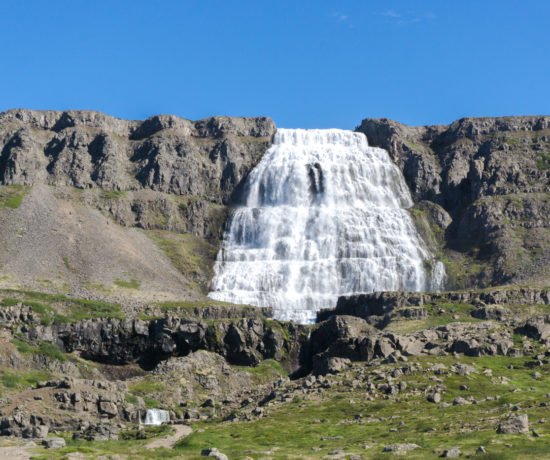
point(518, 424)
point(451, 453)
point(213, 452)
point(400, 447)
point(53, 443)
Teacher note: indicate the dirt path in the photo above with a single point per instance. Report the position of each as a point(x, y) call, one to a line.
point(181, 432)
point(14, 453)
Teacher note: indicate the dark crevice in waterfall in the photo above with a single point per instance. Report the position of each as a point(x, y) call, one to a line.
point(316, 183)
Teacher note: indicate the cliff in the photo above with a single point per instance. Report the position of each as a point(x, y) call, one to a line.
point(482, 191)
point(78, 184)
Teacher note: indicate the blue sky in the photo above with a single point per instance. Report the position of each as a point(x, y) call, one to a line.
point(304, 63)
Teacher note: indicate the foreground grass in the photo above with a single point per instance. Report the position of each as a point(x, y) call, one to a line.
point(295, 429)
point(350, 422)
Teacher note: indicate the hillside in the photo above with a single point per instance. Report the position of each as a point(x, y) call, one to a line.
point(109, 230)
point(116, 209)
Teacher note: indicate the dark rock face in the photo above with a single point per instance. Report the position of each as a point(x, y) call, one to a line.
point(224, 330)
point(377, 305)
point(207, 159)
point(492, 177)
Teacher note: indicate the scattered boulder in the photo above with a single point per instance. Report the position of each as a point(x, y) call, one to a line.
point(451, 453)
point(323, 365)
point(481, 450)
point(213, 452)
point(488, 313)
point(54, 443)
point(400, 447)
point(98, 432)
point(518, 424)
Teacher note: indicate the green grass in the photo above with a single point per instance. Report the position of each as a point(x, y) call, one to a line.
point(72, 309)
point(113, 194)
point(19, 380)
point(11, 196)
point(267, 371)
point(47, 349)
point(293, 429)
point(151, 403)
point(192, 256)
point(132, 284)
point(130, 398)
point(297, 427)
point(543, 161)
point(190, 305)
point(146, 386)
point(145, 432)
point(452, 312)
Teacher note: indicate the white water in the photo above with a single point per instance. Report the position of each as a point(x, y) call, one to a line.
point(325, 216)
point(156, 417)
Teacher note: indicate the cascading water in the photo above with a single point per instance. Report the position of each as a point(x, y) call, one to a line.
point(325, 216)
point(156, 417)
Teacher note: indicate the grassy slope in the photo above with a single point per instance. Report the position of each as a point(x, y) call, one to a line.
point(294, 429)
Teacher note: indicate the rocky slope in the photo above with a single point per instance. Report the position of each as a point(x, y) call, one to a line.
point(115, 225)
point(77, 183)
point(483, 186)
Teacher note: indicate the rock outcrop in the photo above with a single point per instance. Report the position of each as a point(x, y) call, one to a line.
point(166, 176)
point(240, 340)
point(207, 158)
point(380, 307)
point(492, 177)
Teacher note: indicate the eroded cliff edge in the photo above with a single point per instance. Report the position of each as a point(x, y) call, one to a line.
point(482, 191)
point(80, 172)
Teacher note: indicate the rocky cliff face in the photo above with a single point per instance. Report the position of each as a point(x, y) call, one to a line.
point(483, 183)
point(76, 172)
point(206, 158)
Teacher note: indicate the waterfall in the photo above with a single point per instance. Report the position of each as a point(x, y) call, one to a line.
point(325, 216)
point(156, 417)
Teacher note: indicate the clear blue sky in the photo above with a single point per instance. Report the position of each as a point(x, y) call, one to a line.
point(303, 63)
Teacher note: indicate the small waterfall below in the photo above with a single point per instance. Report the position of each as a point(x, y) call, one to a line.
point(325, 216)
point(156, 417)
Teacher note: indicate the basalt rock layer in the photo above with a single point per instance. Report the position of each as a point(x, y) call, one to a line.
point(484, 186)
point(166, 184)
point(207, 158)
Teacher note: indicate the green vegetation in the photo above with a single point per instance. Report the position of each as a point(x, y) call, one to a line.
point(145, 432)
point(12, 380)
point(58, 308)
point(113, 194)
point(192, 256)
point(543, 161)
point(267, 371)
point(11, 196)
point(299, 426)
point(439, 313)
point(46, 313)
point(132, 284)
point(47, 349)
point(68, 266)
point(343, 417)
point(130, 398)
point(462, 270)
point(419, 147)
point(146, 386)
point(190, 305)
point(148, 389)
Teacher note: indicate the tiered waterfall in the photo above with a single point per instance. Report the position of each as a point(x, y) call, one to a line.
point(325, 216)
